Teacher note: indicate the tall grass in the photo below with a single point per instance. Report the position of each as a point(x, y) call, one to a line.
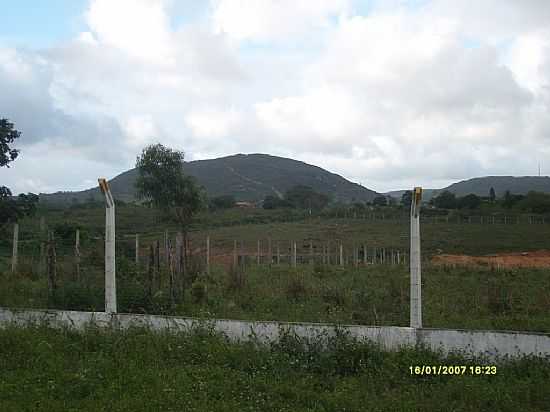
point(137, 370)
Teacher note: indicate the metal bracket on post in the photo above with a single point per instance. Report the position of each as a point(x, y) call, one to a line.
point(416, 278)
point(110, 266)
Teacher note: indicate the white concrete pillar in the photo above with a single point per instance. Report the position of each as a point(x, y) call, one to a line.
point(110, 259)
point(416, 281)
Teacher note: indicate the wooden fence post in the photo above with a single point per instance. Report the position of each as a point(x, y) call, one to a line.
point(166, 260)
point(77, 254)
point(137, 250)
point(150, 271)
point(208, 254)
point(43, 239)
point(269, 252)
point(278, 254)
point(365, 254)
point(311, 252)
point(180, 256)
point(235, 261)
point(51, 263)
point(258, 255)
point(15, 247)
point(157, 263)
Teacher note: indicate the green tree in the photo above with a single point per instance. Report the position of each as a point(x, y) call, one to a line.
point(492, 195)
point(470, 201)
point(406, 199)
point(222, 202)
point(304, 197)
point(7, 136)
point(380, 200)
point(11, 209)
point(275, 202)
point(445, 200)
point(536, 202)
point(507, 201)
point(161, 180)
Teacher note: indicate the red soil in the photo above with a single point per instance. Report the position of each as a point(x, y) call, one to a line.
point(539, 258)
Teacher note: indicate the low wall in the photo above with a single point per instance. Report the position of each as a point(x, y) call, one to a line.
point(492, 344)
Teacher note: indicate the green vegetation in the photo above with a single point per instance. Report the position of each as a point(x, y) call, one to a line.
point(51, 370)
point(374, 295)
point(12, 209)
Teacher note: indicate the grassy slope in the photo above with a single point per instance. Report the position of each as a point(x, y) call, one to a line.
point(46, 370)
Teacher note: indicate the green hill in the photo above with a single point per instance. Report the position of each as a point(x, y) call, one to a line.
point(516, 185)
point(247, 177)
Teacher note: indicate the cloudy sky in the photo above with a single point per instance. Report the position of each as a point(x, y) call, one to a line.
point(389, 94)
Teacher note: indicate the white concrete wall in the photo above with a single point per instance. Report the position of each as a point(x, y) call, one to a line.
point(472, 343)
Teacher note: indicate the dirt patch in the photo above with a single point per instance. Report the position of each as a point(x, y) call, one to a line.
point(539, 258)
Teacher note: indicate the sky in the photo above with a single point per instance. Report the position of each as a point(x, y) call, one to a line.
point(389, 94)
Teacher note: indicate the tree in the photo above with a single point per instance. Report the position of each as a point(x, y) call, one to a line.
point(536, 202)
point(380, 201)
point(7, 136)
point(304, 197)
point(406, 199)
point(492, 195)
point(470, 201)
point(12, 209)
point(222, 202)
point(162, 181)
point(275, 202)
point(24, 205)
point(445, 200)
point(507, 201)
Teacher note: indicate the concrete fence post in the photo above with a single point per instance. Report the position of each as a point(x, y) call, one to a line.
point(341, 255)
point(110, 259)
point(15, 247)
point(293, 254)
point(415, 270)
point(258, 254)
point(235, 259)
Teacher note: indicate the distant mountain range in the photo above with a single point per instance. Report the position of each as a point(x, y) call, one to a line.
point(247, 177)
point(482, 185)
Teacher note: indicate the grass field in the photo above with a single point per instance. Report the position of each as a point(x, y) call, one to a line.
point(251, 225)
point(480, 298)
point(50, 370)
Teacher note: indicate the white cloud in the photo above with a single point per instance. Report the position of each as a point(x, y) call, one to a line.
point(402, 95)
point(138, 27)
point(267, 20)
